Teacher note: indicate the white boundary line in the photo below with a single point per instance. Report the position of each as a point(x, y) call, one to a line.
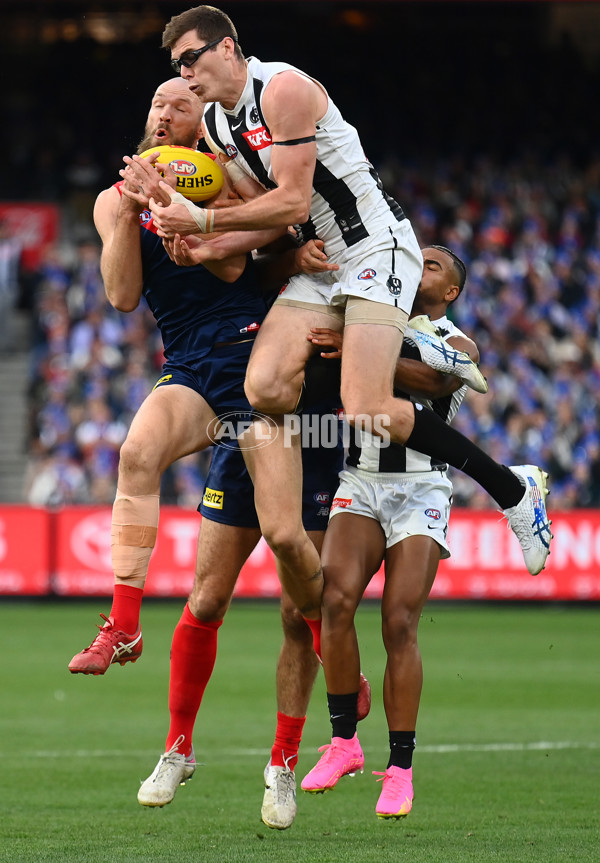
point(440, 749)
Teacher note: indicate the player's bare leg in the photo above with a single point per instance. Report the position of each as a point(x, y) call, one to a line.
point(411, 566)
point(352, 552)
point(369, 361)
point(276, 471)
point(280, 352)
point(296, 672)
point(171, 422)
point(222, 551)
point(273, 385)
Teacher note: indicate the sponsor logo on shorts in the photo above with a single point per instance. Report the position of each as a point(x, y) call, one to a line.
point(164, 380)
point(323, 512)
point(259, 138)
point(251, 328)
point(321, 497)
point(435, 514)
point(366, 274)
point(394, 286)
point(213, 498)
point(341, 503)
point(231, 151)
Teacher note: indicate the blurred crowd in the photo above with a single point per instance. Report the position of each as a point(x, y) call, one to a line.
point(529, 233)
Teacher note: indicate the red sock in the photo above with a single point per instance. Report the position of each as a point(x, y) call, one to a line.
point(193, 654)
point(315, 628)
point(125, 612)
point(287, 740)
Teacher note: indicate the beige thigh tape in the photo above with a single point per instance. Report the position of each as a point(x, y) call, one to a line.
point(332, 311)
point(361, 311)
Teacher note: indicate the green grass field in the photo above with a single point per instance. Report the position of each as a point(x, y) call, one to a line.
point(507, 766)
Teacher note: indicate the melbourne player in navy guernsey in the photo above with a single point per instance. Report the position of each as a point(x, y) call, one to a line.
point(208, 310)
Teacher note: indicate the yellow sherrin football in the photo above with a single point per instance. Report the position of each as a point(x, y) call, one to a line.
point(198, 176)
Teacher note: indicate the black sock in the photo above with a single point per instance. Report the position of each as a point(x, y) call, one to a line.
point(342, 714)
point(432, 436)
point(402, 744)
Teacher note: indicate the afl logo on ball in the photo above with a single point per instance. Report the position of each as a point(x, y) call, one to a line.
point(394, 286)
point(182, 167)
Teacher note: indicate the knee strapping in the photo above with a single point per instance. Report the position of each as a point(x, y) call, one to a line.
point(133, 534)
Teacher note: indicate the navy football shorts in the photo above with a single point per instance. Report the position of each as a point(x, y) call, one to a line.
point(229, 493)
point(218, 377)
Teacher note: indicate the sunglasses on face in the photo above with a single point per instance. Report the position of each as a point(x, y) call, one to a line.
point(188, 58)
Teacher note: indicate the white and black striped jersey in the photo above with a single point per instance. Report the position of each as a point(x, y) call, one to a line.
point(348, 201)
point(366, 451)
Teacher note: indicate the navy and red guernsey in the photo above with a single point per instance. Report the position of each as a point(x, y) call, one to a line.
point(193, 308)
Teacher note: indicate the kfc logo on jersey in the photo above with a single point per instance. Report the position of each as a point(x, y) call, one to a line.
point(394, 286)
point(254, 115)
point(258, 139)
point(321, 497)
point(435, 514)
point(366, 274)
point(231, 151)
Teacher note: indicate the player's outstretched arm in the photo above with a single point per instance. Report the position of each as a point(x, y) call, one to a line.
point(117, 220)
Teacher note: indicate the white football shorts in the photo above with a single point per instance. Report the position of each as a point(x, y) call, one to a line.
point(386, 268)
point(404, 504)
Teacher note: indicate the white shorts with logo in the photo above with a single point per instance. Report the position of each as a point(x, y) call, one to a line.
point(385, 268)
point(404, 504)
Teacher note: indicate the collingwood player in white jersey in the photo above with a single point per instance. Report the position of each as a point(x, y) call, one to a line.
point(392, 505)
point(279, 126)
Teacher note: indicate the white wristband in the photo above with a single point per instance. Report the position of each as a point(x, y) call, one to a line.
point(203, 218)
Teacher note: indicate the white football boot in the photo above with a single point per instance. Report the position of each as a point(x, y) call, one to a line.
point(437, 353)
point(173, 769)
point(529, 519)
point(279, 802)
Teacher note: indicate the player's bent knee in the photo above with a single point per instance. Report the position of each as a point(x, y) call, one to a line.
point(285, 543)
point(338, 605)
point(208, 608)
point(268, 393)
point(136, 456)
point(293, 624)
point(399, 626)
